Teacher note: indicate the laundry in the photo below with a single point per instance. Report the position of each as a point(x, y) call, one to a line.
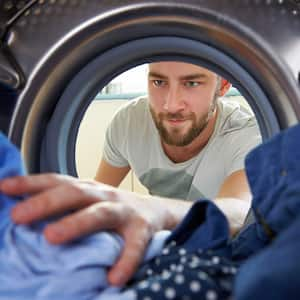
point(195, 263)
point(262, 262)
point(274, 175)
point(31, 268)
point(198, 260)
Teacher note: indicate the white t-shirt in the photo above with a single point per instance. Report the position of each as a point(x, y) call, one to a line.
point(132, 139)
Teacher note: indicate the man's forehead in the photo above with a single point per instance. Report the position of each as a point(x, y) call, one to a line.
point(178, 69)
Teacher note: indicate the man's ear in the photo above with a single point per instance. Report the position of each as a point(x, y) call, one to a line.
point(224, 87)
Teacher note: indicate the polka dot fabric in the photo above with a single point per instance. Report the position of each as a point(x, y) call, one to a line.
point(178, 274)
point(194, 264)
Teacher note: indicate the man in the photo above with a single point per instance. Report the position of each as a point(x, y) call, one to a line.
point(183, 141)
point(188, 100)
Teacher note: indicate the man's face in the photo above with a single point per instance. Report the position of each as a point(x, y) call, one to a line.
point(182, 99)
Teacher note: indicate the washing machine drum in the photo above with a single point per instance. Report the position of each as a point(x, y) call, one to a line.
point(56, 55)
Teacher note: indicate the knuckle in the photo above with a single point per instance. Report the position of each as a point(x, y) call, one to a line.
point(70, 188)
point(106, 210)
point(22, 182)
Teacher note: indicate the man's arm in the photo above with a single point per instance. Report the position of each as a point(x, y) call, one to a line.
point(234, 199)
point(95, 207)
point(111, 175)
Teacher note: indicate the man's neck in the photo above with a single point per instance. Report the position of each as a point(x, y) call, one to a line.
point(179, 154)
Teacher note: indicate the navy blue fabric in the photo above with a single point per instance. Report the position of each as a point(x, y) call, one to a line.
point(273, 172)
point(274, 273)
point(195, 263)
point(273, 270)
point(205, 227)
point(274, 176)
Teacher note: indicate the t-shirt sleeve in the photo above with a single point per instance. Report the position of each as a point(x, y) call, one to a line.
point(114, 150)
point(239, 145)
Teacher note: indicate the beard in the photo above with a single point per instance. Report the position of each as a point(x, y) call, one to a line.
point(174, 137)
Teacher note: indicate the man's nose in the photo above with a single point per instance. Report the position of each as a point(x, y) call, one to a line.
point(174, 101)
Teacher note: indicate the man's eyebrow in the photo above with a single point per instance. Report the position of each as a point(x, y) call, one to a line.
point(156, 75)
point(185, 77)
point(194, 76)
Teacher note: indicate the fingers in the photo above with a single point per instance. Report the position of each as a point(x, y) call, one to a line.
point(106, 216)
point(98, 207)
point(100, 216)
point(57, 200)
point(136, 241)
point(31, 184)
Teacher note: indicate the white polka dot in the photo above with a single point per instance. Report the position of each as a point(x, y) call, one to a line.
point(233, 270)
point(157, 261)
point(195, 258)
point(173, 267)
point(173, 244)
point(165, 251)
point(155, 287)
point(165, 274)
point(215, 260)
point(195, 286)
point(195, 262)
point(202, 275)
point(211, 295)
point(149, 272)
point(143, 284)
point(170, 293)
point(182, 251)
point(179, 279)
point(180, 268)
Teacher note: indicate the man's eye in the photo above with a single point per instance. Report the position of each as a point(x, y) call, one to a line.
point(192, 83)
point(158, 82)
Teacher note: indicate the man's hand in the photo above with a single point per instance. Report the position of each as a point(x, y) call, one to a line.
point(94, 207)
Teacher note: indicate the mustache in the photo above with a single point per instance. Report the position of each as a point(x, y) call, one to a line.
point(175, 116)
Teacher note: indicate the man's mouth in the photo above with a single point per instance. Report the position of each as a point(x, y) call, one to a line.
point(175, 121)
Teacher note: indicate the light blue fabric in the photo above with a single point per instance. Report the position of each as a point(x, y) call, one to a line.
point(31, 268)
point(10, 165)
